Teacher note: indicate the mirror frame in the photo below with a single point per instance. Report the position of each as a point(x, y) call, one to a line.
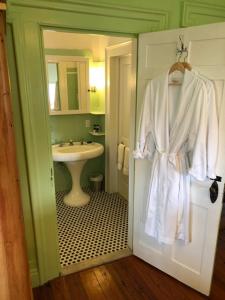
point(85, 101)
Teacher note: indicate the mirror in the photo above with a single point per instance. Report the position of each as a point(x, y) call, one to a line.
point(67, 84)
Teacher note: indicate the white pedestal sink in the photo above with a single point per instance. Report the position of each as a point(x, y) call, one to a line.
point(75, 156)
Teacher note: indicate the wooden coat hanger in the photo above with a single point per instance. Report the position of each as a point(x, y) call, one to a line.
point(178, 66)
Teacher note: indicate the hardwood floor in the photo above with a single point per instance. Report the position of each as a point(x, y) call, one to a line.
point(131, 278)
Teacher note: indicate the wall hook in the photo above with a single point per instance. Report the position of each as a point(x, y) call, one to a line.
point(182, 49)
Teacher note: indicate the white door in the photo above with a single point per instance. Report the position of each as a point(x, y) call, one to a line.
point(191, 264)
point(124, 116)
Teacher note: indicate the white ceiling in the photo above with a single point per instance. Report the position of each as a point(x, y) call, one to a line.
point(93, 42)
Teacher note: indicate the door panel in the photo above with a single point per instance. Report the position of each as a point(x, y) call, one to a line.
point(155, 54)
point(193, 263)
point(213, 52)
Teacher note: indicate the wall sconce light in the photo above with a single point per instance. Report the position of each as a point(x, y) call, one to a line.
point(97, 76)
point(92, 89)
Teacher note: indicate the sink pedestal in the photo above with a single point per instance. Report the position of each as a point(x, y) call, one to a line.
point(75, 157)
point(76, 196)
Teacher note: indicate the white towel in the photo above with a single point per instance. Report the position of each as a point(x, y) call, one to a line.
point(120, 156)
point(126, 161)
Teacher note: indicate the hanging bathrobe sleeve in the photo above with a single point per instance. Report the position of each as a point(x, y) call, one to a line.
point(198, 136)
point(212, 132)
point(145, 146)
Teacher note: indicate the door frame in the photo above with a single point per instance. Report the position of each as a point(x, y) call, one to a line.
point(117, 51)
point(111, 123)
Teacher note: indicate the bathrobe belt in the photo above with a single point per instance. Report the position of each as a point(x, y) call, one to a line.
point(179, 160)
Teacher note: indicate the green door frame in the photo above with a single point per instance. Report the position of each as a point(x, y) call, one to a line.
point(28, 19)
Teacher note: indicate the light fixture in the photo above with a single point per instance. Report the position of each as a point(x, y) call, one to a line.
point(97, 76)
point(92, 89)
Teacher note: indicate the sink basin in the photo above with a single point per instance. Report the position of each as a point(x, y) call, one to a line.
point(76, 152)
point(75, 156)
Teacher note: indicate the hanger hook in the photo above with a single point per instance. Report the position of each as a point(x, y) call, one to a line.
point(186, 56)
point(180, 55)
point(182, 49)
point(181, 42)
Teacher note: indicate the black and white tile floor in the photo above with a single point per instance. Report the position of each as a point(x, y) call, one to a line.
point(99, 228)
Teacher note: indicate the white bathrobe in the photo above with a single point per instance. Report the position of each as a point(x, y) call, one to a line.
point(174, 133)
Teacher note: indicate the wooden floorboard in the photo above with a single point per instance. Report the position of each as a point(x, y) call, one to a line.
point(132, 279)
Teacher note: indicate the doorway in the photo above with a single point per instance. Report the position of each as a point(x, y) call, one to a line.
point(97, 232)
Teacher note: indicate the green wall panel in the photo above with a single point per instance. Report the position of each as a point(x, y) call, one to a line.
point(127, 17)
point(66, 127)
point(22, 162)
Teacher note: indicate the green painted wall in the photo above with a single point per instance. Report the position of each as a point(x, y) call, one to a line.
point(127, 17)
point(175, 10)
point(21, 158)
